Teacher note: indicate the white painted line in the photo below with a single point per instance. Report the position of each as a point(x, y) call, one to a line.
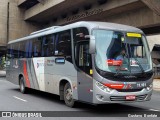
point(154, 110)
point(20, 99)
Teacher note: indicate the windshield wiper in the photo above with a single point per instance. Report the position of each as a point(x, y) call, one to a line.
point(118, 70)
point(137, 61)
point(140, 66)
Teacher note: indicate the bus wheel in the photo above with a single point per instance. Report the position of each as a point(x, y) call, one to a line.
point(23, 89)
point(68, 95)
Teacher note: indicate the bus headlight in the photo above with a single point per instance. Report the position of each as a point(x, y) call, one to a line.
point(102, 87)
point(149, 87)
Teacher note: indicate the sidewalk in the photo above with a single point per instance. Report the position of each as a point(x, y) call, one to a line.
point(156, 84)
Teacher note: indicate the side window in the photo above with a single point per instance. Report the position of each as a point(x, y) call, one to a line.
point(30, 49)
point(22, 49)
point(36, 48)
point(15, 50)
point(51, 43)
point(78, 36)
point(48, 45)
point(44, 46)
point(63, 44)
point(27, 49)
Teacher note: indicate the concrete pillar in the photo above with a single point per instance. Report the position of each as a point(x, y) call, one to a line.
point(3, 22)
point(17, 26)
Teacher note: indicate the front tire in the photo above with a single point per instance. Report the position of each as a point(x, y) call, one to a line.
point(22, 87)
point(68, 95)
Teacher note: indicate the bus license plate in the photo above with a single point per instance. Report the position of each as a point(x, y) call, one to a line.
point(130, 97)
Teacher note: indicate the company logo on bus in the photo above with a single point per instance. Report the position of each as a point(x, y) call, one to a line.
point(43, 63)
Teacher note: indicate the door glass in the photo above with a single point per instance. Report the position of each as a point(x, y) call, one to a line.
point(84, 58)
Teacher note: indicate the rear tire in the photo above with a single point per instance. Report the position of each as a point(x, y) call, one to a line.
point(68, 95)
point(22, 87)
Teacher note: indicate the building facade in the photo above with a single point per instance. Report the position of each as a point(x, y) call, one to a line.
point(18, 18)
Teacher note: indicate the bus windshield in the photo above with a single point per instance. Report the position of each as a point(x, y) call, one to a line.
point(122, 52)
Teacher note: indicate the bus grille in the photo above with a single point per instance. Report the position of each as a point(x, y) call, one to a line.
point(128, 90)
point(122, 98)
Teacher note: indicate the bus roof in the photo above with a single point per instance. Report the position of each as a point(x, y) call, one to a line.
point(89, 24)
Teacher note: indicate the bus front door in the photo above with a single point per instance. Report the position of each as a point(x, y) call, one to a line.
point(85, 82)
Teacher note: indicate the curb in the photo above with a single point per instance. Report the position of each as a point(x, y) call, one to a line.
point(157, 89)
point(156, 84)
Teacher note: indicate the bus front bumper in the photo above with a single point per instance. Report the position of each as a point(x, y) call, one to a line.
point(114, 96)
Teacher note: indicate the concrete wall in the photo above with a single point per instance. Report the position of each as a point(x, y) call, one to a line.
point(20, 28)
point(41, 7)
point(3, 22)
point(17, 26)
point(152, 40)
point(138, 18)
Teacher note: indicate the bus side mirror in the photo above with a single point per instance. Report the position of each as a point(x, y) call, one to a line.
point(92, 45)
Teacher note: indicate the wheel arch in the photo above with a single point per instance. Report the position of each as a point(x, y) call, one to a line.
point(61, 87)
point(19, 77)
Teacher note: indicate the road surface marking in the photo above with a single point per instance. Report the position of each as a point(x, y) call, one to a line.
point(20, 99)
point(154, 110)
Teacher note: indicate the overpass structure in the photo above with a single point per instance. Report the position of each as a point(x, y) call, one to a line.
point(18, 18)
point(144, 14)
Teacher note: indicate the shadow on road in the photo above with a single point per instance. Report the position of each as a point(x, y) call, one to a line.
point(103, 108)
point(42, 95)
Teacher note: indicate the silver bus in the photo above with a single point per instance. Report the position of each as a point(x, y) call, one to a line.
point(93, 62)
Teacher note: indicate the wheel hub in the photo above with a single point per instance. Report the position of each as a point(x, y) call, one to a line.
point(22, 87)
point(69, 94)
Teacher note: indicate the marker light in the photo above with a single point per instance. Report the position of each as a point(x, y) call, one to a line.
point(134, 35)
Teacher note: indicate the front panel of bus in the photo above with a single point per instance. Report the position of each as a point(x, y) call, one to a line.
point(122, 67)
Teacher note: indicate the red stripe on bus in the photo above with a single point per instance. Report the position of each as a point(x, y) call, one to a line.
point(115, 86)
point(26, 74)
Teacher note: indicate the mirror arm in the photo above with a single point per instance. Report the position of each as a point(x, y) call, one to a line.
point(92, 45)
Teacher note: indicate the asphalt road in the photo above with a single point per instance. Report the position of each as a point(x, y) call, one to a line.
point(12, 100)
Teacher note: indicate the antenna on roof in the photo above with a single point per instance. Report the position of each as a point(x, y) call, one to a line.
point(43, 30)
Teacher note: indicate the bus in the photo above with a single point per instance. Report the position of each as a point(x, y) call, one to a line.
point(86, 61)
